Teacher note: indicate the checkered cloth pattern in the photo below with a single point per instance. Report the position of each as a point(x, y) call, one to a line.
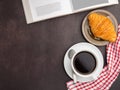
point(109, 72)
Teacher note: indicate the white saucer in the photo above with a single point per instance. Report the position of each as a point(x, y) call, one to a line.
point(83, 47)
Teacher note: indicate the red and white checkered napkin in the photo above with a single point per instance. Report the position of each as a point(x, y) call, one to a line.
point(109, 73)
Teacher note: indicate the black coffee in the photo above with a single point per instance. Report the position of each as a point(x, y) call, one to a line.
point(84, 62)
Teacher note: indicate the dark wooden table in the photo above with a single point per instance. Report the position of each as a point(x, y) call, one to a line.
point(31, 56)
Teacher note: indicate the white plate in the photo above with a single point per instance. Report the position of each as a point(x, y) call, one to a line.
point(86, 28)
point(83, 47)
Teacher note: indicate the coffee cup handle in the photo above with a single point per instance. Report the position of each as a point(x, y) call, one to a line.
point(71, 53)
point(74, 78)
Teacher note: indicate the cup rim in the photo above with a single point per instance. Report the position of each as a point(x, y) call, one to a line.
point(80, 74)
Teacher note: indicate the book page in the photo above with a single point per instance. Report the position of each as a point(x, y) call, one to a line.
point(80, 4)
point(42, 9)
point(114, 1)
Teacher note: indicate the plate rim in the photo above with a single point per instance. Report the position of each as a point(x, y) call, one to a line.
point(101, 43)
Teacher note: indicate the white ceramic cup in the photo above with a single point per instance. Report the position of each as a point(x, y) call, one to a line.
point(92, 75)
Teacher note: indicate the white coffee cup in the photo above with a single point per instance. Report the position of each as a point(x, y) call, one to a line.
point(98, 67)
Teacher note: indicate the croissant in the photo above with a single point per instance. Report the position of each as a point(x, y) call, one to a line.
point(102, 27)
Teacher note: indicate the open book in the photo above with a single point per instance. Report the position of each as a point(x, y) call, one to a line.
point(37, 10)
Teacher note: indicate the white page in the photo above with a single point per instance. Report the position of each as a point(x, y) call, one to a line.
point(114, 1)
point(43, 9)
point(37, 10)
point(81, 5)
